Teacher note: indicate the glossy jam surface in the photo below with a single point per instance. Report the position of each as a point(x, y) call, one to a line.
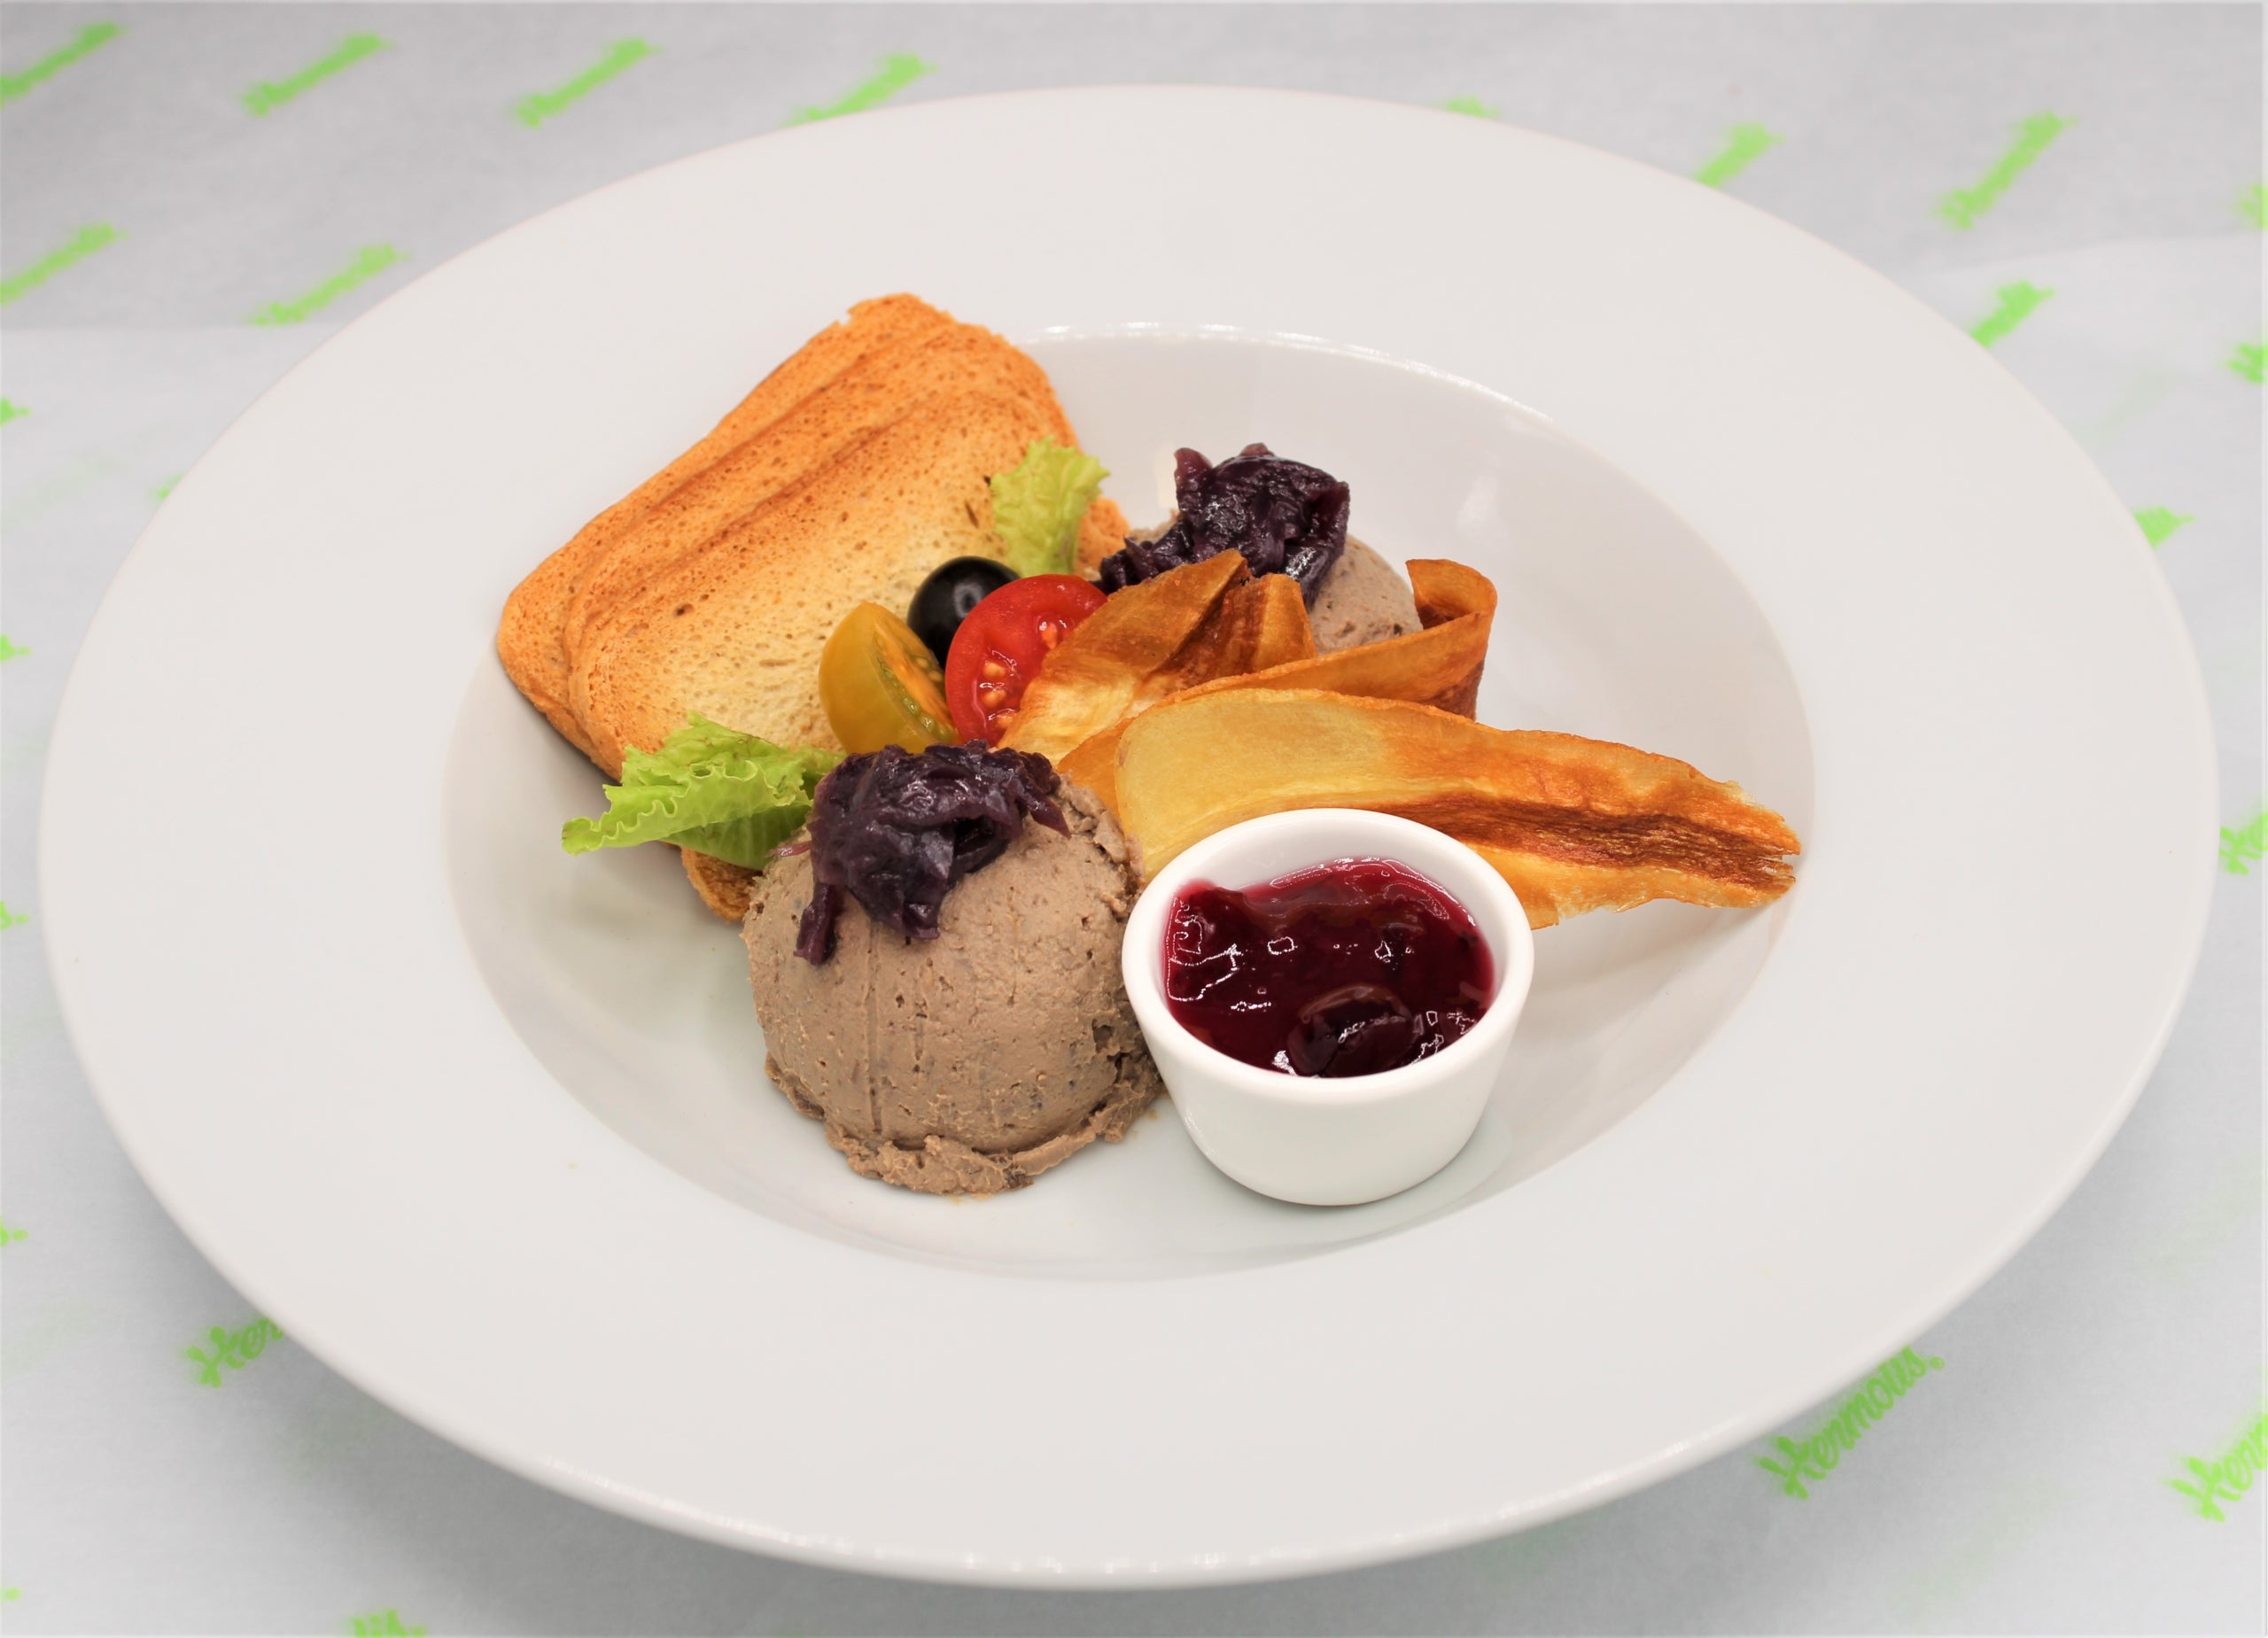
point(1348, 967)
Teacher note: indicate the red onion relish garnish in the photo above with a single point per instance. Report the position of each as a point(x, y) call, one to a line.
point(896, 830)
point(1349, 967)
point(1285, 518)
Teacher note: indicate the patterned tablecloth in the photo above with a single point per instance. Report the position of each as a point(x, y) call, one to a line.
point(195, 196)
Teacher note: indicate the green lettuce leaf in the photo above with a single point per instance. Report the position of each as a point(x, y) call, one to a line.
point(1037, 508)
point(711, 788)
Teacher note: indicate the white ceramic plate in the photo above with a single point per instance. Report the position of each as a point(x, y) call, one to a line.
point(485, 1128)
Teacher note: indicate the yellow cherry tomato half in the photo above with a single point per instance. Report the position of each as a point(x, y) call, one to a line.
point(880, 685)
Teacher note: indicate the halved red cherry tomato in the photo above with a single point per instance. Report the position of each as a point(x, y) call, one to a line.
point(1000, 647)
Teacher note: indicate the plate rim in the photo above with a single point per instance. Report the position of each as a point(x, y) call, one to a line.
point(60, 938)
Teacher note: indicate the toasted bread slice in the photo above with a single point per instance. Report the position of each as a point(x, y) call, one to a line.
point(874, 391)
point(1101, 531)
point(528, 638)
point(725, 887)
point(734, 630)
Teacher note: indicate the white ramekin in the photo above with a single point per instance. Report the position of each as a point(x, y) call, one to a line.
point(1314, 1141)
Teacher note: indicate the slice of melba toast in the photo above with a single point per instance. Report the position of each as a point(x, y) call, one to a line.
point(734, 631)
point(529, 639)
point(893, 418)
point(877, 390)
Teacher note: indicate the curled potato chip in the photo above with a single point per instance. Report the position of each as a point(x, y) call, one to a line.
point(1570, 823)
point(1439, 666)
point(1188, 627)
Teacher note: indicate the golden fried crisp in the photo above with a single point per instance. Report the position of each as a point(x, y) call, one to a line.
point(1189, 626)
point(1439, 665)
point(1571, 824)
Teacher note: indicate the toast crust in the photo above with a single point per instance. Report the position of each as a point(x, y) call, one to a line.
point(734, 630)
point(852, 470)
point(529, 639)
point(879, 388)
point(726, 888)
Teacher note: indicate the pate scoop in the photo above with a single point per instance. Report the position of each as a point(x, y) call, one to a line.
point(970, 1062)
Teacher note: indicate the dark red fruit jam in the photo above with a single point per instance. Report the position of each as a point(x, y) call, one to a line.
point(1348, 967)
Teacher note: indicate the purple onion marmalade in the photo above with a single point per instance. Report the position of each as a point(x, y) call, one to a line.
point(1285, 518)
point(896, 830)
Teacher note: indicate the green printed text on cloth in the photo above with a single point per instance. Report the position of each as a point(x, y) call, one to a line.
point(385, 1623)
point(2250, 360)
point(233, 1349)
point(1743, 145)
point(77, 248)
point(14, 85)
point(368, 262)
point(353, 50)
point(1812, 1458)
point(9, 917)
point(2228, 1479)
point(2158, 522)
point(2017, 302)
point(1963, 206)
point(2247, 842)
point(10, 410)
point(541, 105)
point(898, 70)
point(1473, 105)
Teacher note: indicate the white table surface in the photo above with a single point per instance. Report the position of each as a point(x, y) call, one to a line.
point(2022, 1487)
